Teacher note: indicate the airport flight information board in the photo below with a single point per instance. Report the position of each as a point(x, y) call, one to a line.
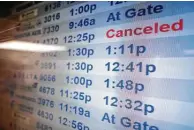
point(128, 66)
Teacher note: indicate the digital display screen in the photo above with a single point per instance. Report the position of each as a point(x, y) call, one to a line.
point(127, 66)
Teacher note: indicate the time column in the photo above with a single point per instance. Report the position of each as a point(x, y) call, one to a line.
point(78, 68)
